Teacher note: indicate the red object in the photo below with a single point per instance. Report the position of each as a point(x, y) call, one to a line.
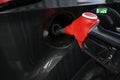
point(4, 1)
point(80, 27)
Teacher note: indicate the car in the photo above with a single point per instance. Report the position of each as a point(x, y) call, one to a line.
point(30, 49)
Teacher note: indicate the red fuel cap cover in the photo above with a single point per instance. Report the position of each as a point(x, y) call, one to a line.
point(80, 27)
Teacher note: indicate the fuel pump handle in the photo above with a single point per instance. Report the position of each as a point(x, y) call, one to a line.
point(110, 37)
point(88, 24)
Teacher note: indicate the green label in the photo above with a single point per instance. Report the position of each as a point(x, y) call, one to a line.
point(101, 10)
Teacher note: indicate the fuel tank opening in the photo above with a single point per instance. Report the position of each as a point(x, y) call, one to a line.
point(56, 22)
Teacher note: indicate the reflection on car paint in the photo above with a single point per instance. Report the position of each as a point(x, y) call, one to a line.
point(51, 63)
point(93, 1)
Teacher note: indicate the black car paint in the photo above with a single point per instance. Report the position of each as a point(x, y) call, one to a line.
point(24, 51)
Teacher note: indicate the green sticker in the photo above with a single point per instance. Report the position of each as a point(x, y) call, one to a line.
point(101, 10)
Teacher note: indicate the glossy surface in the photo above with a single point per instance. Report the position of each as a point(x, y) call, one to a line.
point(26, 56)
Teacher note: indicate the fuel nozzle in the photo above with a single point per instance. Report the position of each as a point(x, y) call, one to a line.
point(88, 24)
point(80, 27)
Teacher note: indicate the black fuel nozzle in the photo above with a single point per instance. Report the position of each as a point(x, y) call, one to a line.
point(110, 37)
